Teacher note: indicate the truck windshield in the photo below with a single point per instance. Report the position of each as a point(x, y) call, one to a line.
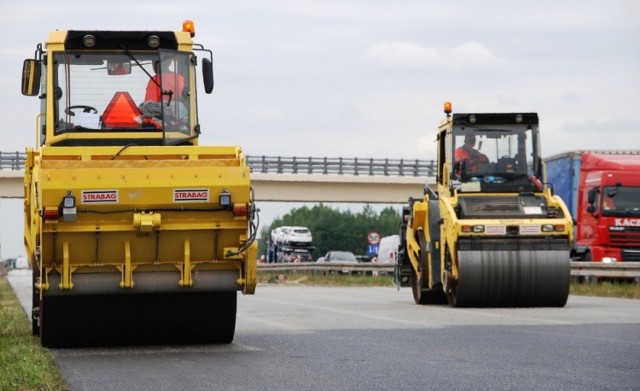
point(494, 155)
point(621, 201)
point(105, 92)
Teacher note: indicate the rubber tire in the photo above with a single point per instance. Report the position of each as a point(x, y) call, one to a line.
point(35, 300)
point(422, 293)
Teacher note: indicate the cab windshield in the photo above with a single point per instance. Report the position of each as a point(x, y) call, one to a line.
point(116, 92)
point(495, 155)
point(621, 201)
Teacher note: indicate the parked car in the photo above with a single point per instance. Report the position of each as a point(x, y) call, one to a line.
point(363, 258)
point(339, 257)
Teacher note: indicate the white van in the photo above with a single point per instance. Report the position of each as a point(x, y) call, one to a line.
point(388, 250)
point(22, 262)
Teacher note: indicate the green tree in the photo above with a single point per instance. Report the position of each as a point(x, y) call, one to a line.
point(333, 229)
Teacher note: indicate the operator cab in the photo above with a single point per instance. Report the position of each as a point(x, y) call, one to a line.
point(117, 88)
point(493, 153)
point(109, 92)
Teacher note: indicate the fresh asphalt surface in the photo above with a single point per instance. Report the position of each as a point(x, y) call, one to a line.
point(316, 338)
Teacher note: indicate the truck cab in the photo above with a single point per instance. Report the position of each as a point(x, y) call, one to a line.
point(608, 211)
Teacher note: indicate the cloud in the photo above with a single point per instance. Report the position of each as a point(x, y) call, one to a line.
point(475, 51)
point(401, 54)
point(268, 114)
point(374, 10)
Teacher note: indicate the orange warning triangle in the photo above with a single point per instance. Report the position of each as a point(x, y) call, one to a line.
point(121, 112)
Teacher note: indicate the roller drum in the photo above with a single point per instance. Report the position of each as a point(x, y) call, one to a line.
point(512, 278)
point(138, 319)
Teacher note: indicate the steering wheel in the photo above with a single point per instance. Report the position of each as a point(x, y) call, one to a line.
point(85, 109)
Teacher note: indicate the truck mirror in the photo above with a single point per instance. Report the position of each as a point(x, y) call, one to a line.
point(591, 208)
point(207, 75)
point(31, 77)
point(591, 195)
point(118, 67)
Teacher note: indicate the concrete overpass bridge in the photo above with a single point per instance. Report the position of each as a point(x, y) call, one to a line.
point(299, 179)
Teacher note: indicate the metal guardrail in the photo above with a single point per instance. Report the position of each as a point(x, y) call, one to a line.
point(302, 165)
point(326, 266)
point(12, 160)
point(342, 166)
point(618, 269)
point(585, 269)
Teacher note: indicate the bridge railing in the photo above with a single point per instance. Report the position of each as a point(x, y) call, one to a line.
point(12, 160)
point(342, 166)
point(302, 165)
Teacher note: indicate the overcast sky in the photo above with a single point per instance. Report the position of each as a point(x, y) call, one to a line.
point(365, 78)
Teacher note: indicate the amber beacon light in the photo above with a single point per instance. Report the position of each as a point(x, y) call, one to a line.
point(189, 27)
point(447, 108)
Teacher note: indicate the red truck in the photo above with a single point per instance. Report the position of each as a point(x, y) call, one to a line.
point(602, 191)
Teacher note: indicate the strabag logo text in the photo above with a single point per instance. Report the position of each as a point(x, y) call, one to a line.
point(99, 196)
point(190, 195)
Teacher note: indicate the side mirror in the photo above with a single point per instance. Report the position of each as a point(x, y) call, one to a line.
point(591, 208)
point(591, 195)
point(31, 77)
point(207, 75)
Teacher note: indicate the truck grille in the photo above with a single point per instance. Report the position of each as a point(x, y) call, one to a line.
point(629, 255)
point(630, 237)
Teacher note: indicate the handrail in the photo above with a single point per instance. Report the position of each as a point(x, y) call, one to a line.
point(342, 166)
point(12, 160)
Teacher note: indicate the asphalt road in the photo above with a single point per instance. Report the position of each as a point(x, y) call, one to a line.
point(315, 338)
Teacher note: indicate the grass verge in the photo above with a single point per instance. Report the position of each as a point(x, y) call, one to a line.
point(623, 289)
point(24, 364)
point(319, 279)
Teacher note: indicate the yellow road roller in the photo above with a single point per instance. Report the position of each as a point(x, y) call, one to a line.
point(489, 232)
point(135, 233)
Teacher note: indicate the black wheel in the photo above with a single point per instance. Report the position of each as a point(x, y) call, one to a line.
point(420, 279)
point(35, 300)
point(422, 292)
point(416, 287)
point(450, 289)
point(449, 281)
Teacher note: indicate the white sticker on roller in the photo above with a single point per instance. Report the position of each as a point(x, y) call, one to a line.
point(532, 210)
point(529, 229)
point(495, 230)
point(190, 195)
point(99, 196)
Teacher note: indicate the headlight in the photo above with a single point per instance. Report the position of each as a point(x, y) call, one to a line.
point(224, 199)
